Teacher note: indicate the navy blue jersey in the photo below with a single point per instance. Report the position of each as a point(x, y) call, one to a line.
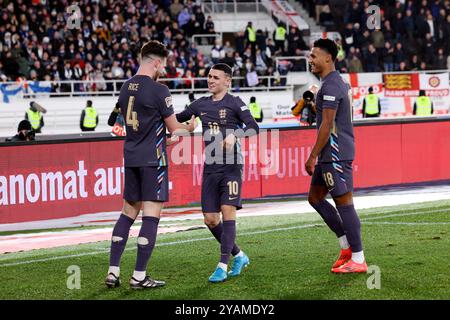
point(145, 104)
point(335, 94)
point(230, 113)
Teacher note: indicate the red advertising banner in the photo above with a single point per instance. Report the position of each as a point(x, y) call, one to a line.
point(46, 181)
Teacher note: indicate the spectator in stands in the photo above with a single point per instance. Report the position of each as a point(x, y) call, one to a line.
point(89, 118)
point(24, 132)
point(227, 47)
point(209, 28)
point(184, 17)
point(355, 65)
point(415, 63)
point(429, 49)
point(34, 115)
point(295, 41)
point(371, 60)
point(387, 55)
point(326, 19)
point(260, 64)
point(408, 24)
point(229, 59)
point(299, 65)
point(378, 39)
point(175, 8)
point(440, 62)
point(399, 56)
point(240, 40)
point(217, 52)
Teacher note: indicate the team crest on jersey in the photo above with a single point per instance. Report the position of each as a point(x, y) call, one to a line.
point(222, 113)
point(168, 101)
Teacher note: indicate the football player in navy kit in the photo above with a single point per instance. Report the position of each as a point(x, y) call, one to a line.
point(146, 106)
point(222, 116)
point(334, 152)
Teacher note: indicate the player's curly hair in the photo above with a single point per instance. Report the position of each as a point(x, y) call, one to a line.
point(327, 45)
point(155, 48)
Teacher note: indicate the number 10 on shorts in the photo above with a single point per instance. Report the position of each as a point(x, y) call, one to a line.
point(233, 188)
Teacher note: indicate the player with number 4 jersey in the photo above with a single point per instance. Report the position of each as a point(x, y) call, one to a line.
point(146, 106)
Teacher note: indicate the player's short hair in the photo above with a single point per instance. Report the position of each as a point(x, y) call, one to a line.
point(155, 48)
point(224, 67)
point(327, 45)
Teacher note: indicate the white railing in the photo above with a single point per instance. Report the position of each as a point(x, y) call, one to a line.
point(71, 88)
point(212, 7)
point(206, 36)
point(278, 59)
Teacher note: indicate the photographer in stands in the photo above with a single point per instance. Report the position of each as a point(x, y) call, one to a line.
point(24, 132)
point(306, 106)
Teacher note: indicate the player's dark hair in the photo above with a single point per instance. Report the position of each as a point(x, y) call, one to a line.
point(154, 47)
point(327, 45)
point(89, 103)
point(224, 67)
point(252, 99)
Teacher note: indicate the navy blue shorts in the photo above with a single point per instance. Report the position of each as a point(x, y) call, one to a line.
point(219, 188)
point(336, 176)
point(146, 184)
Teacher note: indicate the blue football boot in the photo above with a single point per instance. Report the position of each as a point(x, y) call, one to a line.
point(238, 264)
point(219, 275)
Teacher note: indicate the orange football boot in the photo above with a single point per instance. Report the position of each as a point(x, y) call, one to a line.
point(351, 267)
point(345, 256)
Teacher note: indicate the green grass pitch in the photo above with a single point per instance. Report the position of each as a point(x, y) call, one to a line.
point(291, 257)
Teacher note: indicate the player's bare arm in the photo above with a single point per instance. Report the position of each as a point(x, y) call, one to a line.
point(322, 138)
point(178, 128)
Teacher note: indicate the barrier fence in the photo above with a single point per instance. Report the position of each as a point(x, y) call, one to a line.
point(45, 181)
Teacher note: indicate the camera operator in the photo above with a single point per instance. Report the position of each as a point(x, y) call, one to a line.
point(306, 106)
point(24, 132)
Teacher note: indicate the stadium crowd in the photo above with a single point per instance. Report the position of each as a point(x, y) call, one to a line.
point(36, 42)
point(412, 35)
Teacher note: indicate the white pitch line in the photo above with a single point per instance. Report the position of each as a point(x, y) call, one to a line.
point(404, 214)
point(157, 245)
point(210, 238)
point(408, 223)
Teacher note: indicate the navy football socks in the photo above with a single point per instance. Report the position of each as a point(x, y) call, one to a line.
point(352, 226)
point(119, 239)
point(330, 216)
point(146, 242)
point(217, 233)
point(227, 240)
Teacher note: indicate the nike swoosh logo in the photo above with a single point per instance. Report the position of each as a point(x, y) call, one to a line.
point(203, 113)
point(232, 198)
